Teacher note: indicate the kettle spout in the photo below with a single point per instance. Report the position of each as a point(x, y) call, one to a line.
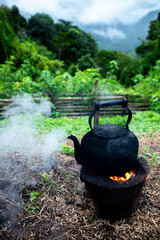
point(77, 149)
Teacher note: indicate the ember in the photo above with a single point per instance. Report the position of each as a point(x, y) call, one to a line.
point(126, 176)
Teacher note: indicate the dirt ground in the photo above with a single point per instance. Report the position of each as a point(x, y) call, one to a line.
point(63, 210)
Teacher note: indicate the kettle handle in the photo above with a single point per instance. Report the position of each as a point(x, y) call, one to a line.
point(99, 105)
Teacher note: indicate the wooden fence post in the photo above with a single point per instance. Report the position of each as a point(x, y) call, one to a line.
point(96, 116)
point(125, 112)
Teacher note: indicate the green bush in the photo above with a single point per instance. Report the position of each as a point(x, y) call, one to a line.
point(23, 73)
point(150, 86)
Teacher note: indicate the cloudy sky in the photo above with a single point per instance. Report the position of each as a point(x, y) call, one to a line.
point(88, 11)
point(85, 12)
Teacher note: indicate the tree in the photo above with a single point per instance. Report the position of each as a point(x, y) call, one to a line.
point(128, 68)
point(103, 58)
point(154, 29)
point(86, 61)
point(70, 43)
point(7, 37)
point(41, 28)
point(150, 50)
point(61, 40)
point(14, 18)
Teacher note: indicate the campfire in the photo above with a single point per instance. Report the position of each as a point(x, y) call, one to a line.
point(126, 176)
point(111, 170)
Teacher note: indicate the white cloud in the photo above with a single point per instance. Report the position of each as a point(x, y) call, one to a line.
point(115, 33)
point(126, 11)
point(90, 11)
point(110, 33)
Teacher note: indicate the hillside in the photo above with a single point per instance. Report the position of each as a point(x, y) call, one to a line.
point(119, 36)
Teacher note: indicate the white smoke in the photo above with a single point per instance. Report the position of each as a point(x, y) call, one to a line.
point(23, 152)
point(25, 105)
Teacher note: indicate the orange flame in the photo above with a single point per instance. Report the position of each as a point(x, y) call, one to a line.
point(126, 176)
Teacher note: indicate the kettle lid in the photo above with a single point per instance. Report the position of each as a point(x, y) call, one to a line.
point(109, 130)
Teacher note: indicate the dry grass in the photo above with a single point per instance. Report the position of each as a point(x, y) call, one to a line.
point(63, 211)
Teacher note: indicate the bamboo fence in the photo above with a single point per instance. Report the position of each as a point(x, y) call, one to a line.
point(81, 105)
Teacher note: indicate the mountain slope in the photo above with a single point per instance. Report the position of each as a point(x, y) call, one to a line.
point(121, 37)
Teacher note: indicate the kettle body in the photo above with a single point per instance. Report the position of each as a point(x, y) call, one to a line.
point(108, 149)
point(112, 156)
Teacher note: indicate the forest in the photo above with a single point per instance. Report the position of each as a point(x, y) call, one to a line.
point(40, 57)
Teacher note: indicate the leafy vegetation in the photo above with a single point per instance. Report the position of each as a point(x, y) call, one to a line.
point(127, 66)
point(142, 122)
point(14, 18)
point(67, 150)
point(40, 57)
point(150, 50)
point(32, 73)
point(150, 86)
point(70, 43)
point(7, 38)
point(153, 159)
point(41, 28)
point(148, 122)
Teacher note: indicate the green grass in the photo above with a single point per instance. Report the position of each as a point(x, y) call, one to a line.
point(141, 122)
point(148, 122)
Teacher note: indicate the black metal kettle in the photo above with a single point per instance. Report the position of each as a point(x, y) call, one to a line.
point(108, 149)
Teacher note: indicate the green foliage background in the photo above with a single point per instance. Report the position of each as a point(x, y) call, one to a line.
point(40, 57)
